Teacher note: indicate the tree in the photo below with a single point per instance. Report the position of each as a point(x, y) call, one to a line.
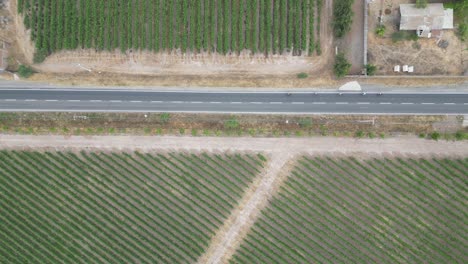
point(342, 66)
point(342, 17)
point(421, 3)
point(25, 71)
point(463, 31)
point(370, 69)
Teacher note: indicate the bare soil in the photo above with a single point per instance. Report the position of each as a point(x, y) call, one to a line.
point(424, 54)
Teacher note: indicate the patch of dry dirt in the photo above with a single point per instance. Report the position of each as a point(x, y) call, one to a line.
point(427, 57)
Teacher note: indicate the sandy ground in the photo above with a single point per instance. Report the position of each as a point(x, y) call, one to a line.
point(353, 43)
point(425, 54)
point(281, 152)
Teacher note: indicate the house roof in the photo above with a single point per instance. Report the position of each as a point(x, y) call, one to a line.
point(434, 16)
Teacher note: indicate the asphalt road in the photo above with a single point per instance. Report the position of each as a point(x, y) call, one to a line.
point(233, 102)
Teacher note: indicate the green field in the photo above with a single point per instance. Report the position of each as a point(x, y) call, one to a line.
point(347, 210)
point(106, 207)
point(223, 26)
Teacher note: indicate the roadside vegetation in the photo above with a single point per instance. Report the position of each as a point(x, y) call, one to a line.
point(109, 207)
point(353, 210)
point(359, 126)
point(25, 71)
point(226, 27)
point(342, 66)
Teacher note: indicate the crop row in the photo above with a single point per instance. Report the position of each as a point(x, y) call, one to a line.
point(345, 210)
point(64, 207)
point(223, 26)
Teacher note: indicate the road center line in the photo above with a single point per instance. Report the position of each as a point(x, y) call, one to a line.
point(95, 101)
point(256, 102)
point(427, 103)
point(363, 103)
point(385, 103)
point(318, 103)
point(51, 100)
point(73, 100)
point(297, 102)
point(407, 103)
point(215, 102)
point(276, 102)
point(341, 103)
point(116, 101)
point(196, 102)
point(236, 102)
point(176, 102)
point(30, 100)
point(449, 103)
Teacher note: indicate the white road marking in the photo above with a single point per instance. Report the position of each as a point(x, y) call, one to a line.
point(95, 101)
point(51, 100)
point(407, 103)
point(215, 102)
point(341, 103)
point(135, 101)
point(427, 103)
point(276, 102)
point(256, 102)
point(73, 100)
point(318, 103)
point(297, 102)
point(176, 102)
point(363, 103)
point(196, 102)
point(116, 101)
point(449, 103)
point(30, 100)
point(385, 103)
point(236, 102)
point(465, 103)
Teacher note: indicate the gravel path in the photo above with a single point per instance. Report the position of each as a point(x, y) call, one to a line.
point(402, 145)
point(279, 151)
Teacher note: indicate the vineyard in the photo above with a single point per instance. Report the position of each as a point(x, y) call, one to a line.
point(348, 210)
point(222, 26)
point(96, 207)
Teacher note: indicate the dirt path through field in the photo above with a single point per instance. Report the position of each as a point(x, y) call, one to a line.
point(280, 152)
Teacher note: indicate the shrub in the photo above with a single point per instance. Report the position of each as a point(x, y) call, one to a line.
point(302, 75)
point(359, 134)
point(25, 71)
point(380, 31)
point(463, 31)
point(421, 3)
point(231, 123)
point(164, 117)
point(404, 35)
point(305, 122)
point(370, 69)
point(435, 135)
point(342, 17)
point(460, 135)
point(40, 56)
point(342, 66)
point(422, 135)
point(371, 135)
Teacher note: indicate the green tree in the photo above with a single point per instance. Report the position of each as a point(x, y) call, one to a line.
point(342, 17)
point(25, 71)
point(342, 65)
point(421, 3)
point(463, 31)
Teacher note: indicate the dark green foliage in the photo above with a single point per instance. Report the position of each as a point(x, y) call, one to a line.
point(342, 17)
point(463, 31)
point(341, 66)
point(370, 69)
point(231, 123)
point(435, 136)
point(25, 71)
point(40, 55)
point(421, 3)
point(302, 75)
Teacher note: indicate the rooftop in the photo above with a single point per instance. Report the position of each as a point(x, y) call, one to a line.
point(434, 16)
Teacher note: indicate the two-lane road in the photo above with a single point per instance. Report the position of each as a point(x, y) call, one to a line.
point(89, 100)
